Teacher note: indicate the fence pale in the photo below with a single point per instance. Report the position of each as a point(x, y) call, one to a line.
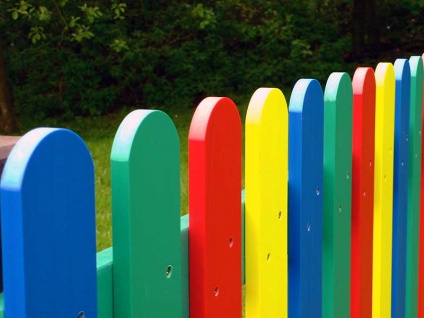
point(48, 227)
point(306, 118)
point(363, 84)
point(421, 258)
point(146, 217)
point(412, 252)
point(266, 204)
point(400, 185)
point(215, 210)
point(383, 190)
point(338, 98)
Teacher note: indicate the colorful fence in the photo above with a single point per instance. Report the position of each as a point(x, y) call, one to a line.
point(330, 222)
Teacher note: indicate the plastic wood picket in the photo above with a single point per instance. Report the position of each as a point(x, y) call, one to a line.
point(48, 227)
point(338, 98)
point(383, 190)
point(215, 210)
point(363, 85)
point(412, 252)
point(421, 257)
point(145, 212)
point(266, 204)
point(306, 119)
point(400, 186)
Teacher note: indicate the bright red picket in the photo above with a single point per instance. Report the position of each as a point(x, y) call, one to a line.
point(362, 192)
point(215, 210)
point(421, 256)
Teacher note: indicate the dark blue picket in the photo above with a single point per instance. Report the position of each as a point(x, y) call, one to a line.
point(400, 186)
point(48, 227)
point(306, 117)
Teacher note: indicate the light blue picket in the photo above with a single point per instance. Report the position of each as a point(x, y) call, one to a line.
point(48, 227)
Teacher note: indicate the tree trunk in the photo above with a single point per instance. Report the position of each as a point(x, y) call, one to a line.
point(373, 31)
point(8, 123)
point(359, 26)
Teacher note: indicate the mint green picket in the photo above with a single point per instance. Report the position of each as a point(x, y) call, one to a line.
point(146, 217)
point(414, 186)
point(338, 112)
point(105, 283)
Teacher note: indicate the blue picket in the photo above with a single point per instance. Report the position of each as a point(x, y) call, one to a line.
point(48, 227)
point(400, 186)
point(305, 215)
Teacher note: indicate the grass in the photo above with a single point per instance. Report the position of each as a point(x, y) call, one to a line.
point(98, 133)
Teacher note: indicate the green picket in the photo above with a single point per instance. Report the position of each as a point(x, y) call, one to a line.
point(337, 196)
point(414, 186)
point(146, 217)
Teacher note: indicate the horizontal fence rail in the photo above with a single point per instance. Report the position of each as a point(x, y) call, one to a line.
point(330, 223)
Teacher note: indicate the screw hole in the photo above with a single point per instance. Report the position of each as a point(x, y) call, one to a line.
point(216, 291)
point(340, 208)
point(230, 242)
point(308, 227)
point(268, 257)
point(317, 190)
point(347, 175)
point(168, 272)
point(279, 215)
point(370, 163)
point(385, 177)
point(81, 314)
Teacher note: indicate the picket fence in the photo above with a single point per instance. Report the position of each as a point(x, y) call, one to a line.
point(329, 224)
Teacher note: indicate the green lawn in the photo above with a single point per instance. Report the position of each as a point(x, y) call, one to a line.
point(98, 133)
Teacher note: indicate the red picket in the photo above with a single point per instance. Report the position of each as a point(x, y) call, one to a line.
point(362, 192)
point(215, 210)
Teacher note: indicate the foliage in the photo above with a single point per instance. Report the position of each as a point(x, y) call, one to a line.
point(86, 58)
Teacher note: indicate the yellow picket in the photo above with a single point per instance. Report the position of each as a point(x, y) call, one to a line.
point(266, 204)
point(383, 190)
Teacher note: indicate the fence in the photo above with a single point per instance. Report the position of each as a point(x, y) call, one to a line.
point(329, 223)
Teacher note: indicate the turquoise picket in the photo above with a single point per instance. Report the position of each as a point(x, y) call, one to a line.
point(48, 227)
point(146, 212)
point(414, 186)
point(400, 186)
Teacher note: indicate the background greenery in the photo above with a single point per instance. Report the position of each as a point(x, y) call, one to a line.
point(91, 58)
point(85, 64)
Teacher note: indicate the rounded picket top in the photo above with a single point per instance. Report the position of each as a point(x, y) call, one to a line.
point(145, 166)
point(48, 226)
point(138, 122)
point(266, 102)
point(363, 80)
point(339, 86)
point(304, 93)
